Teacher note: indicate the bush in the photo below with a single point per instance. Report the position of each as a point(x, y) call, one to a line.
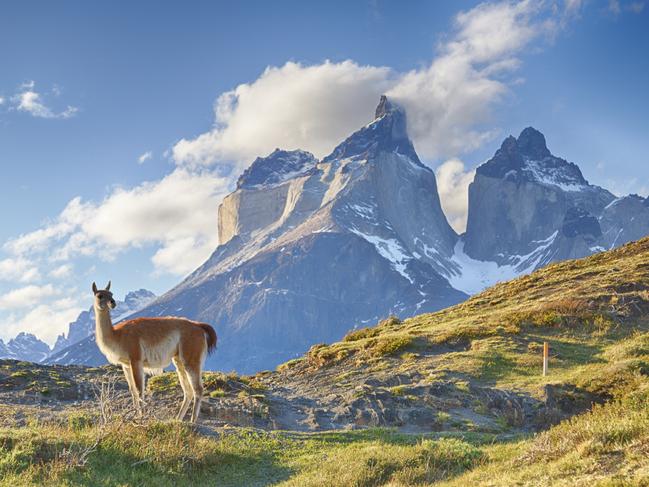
point(390, 345)
point(361, 334)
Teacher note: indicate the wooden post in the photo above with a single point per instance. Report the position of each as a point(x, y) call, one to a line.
point(546, 350)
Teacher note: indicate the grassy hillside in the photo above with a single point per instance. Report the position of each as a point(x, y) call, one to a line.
point(461, 390)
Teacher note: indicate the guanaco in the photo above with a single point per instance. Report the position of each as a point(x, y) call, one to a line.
point(148, 345)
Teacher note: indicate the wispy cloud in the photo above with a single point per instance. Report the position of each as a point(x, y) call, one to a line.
point(28, 100)
point(46, 320)
point(616, 7)
point(18, 269)
point(26, 296)
point(145, 157)
point(61, 271)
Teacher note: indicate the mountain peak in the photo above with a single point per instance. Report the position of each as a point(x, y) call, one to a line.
point(386, 133)
point(280, 165)
point(531, 143)
point(527, 159)
point(385, 106)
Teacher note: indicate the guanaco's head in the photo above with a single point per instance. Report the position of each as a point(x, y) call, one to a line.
point(103, 298)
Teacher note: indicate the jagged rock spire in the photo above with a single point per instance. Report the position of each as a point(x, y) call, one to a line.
point(388, 132)
point(383, 107)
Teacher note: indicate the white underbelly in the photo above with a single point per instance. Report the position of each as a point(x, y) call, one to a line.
point(159, 356)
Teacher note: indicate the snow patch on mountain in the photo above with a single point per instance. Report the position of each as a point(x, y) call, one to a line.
point(474, 276)
point(540, 172)
point(390, 249)
point(276, 168)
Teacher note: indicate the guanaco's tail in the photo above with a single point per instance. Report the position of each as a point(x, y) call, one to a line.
point(211, 337)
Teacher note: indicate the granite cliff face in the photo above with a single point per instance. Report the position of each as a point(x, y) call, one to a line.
point(528, 207)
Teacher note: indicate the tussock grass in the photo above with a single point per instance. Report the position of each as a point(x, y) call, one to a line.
point(172, 453)
point(377, 463)
point(607, 446)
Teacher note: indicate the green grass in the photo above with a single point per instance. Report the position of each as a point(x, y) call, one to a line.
point(608, 446)
point(173, 454)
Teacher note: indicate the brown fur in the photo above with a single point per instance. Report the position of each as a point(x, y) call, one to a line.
point(153, 343)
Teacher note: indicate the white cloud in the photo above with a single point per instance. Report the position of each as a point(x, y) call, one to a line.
point(314, 107)
point(453, 185)
point(46, 321)
point(61, 271)
point(293, 106)
point(177, 212)
point(182, 255)
point(616, 7)
point(40, 239)
point(26, 296)
point(2, 100)
point(30, 101)
point(145, 157)
point(18, 269)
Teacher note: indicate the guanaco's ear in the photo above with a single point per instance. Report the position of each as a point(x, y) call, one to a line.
point(108, 286)
point(94, 288)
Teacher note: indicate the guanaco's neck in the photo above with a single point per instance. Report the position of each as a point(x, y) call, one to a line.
point(103, 324)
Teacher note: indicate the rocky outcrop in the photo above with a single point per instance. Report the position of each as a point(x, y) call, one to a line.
point(528, 207)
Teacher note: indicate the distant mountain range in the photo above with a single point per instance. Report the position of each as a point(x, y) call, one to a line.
point(24, 346)
point(309, 249)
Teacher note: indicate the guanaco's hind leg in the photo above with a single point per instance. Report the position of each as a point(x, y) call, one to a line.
point(137, 374)
point(194, 375)
point(184, 383)
point(192, 355)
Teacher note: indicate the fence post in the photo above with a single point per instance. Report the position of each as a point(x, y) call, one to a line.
point(546, 350)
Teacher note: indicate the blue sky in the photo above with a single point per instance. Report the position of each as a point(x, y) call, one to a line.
point(89, 88)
